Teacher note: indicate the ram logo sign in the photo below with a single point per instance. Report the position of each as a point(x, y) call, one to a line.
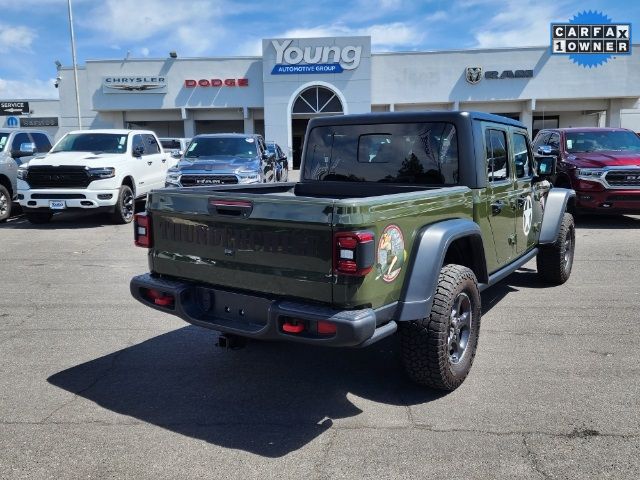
point(318, 59)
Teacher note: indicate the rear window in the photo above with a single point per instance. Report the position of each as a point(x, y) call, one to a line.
point(170, 144)
point(411, 153)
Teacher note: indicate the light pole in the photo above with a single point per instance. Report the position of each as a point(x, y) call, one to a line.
point(75, 64)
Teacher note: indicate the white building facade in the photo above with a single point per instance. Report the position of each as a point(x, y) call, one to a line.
point(297, 79)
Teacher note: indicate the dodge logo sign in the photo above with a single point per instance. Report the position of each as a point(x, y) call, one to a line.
point(473, 74)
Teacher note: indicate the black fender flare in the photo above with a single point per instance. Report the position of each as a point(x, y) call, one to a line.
point(429, 251)
point(554, 209)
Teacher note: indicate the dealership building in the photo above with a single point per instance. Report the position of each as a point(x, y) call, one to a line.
point(297, 79)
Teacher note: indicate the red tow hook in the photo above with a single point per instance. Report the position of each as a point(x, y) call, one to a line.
point(159, 298)
point(292, 326)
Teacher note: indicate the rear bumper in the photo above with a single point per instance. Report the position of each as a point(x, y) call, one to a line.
point(609, 201)
point(261, 317)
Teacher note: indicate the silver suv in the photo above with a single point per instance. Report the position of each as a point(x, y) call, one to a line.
point(17, 147)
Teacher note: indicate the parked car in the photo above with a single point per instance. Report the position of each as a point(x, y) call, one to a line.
point(398, 223)
point(98, 170)
point(175, 146)
point(224, 158)
point(17, 147)
point(601, 164)
point(282, 162)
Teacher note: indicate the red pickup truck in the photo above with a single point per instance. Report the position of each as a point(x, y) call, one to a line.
point(601, 164)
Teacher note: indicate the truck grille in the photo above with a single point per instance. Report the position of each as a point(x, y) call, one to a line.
point(623, 178)
point(58, 177)
point(199, 180)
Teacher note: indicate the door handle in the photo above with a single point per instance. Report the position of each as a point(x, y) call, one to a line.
point(149, 162)
point(164, 160)
point(496, 207)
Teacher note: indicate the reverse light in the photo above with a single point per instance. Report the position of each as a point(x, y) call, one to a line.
point(354, 253)
point(142, 230)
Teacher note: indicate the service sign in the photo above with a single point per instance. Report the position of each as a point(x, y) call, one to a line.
point(14, 108)
point(134, 84)
point(38, 121)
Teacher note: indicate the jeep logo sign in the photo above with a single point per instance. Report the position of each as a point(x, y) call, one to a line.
point(325, 59)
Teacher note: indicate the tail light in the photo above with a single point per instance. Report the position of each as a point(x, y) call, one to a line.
point(354, 253)
point(142, 230)
point(159, 298)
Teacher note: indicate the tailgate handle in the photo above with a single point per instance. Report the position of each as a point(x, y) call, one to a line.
point(235, 208)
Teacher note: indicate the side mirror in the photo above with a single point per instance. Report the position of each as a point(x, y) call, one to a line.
point(545, 165)
point(26, 150)
point(138, 151)
point(176, 153)
point(547, 150)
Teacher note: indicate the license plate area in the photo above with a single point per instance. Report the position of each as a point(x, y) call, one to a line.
point(57, 204)
point(232, 309)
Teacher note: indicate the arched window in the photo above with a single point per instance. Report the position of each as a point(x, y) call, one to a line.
point(317, 100)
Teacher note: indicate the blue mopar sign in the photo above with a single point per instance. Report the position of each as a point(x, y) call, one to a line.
point(284, 69)
point(12, 122)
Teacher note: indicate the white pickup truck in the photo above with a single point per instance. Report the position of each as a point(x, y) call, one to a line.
point(100, 170)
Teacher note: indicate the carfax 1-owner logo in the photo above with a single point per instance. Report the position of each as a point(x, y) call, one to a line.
point(591, 39)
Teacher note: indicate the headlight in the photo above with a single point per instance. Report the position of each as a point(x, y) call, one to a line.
point(22, 173)
point(101, 173)
point(173, 177)
point(592, 174)
point(248, 177)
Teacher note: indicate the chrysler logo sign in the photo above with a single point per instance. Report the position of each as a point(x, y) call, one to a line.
point(134, 84)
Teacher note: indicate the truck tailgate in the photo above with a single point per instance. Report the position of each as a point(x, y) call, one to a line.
point(274, 244)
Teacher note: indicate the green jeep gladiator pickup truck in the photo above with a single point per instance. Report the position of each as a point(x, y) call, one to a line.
point(398, 223)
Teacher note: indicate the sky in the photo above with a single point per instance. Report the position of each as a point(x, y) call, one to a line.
point(35, 33)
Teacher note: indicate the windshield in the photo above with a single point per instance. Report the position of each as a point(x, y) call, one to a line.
point(92, 142)
point(240, 147)
point(411, 153)
point(3, 140)
point(606, 140)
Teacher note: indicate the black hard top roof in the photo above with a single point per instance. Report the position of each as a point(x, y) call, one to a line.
point(413, 117)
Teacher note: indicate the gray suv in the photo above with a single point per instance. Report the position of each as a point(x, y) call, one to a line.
point(224, 158)
point(17, 146)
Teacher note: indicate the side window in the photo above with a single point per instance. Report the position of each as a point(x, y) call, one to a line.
point(521, 156)
point(42, 142)
point(18, 140)
point(136, 143)
point(541, 139)
point(151, 146)
point(497, 157)
point(554, 141)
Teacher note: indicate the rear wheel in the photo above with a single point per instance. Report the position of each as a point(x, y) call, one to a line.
point(38, 218)
point(438, 351)
point(554, 262)
point(5, 203)
point(125, 207)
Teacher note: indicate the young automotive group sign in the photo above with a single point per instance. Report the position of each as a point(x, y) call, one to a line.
point(292, 59)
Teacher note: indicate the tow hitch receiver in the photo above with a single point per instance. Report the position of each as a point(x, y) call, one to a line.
point(231, 342)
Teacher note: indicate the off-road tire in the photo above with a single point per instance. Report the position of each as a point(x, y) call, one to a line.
point(424, 344)
point(554, 262)
point(39, 218)
point(126, 206)
point(5, 204)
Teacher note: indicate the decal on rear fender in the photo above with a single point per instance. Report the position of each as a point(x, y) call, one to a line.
point(391, 254)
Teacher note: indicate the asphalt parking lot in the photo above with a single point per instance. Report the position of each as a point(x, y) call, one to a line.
point(93, 384)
